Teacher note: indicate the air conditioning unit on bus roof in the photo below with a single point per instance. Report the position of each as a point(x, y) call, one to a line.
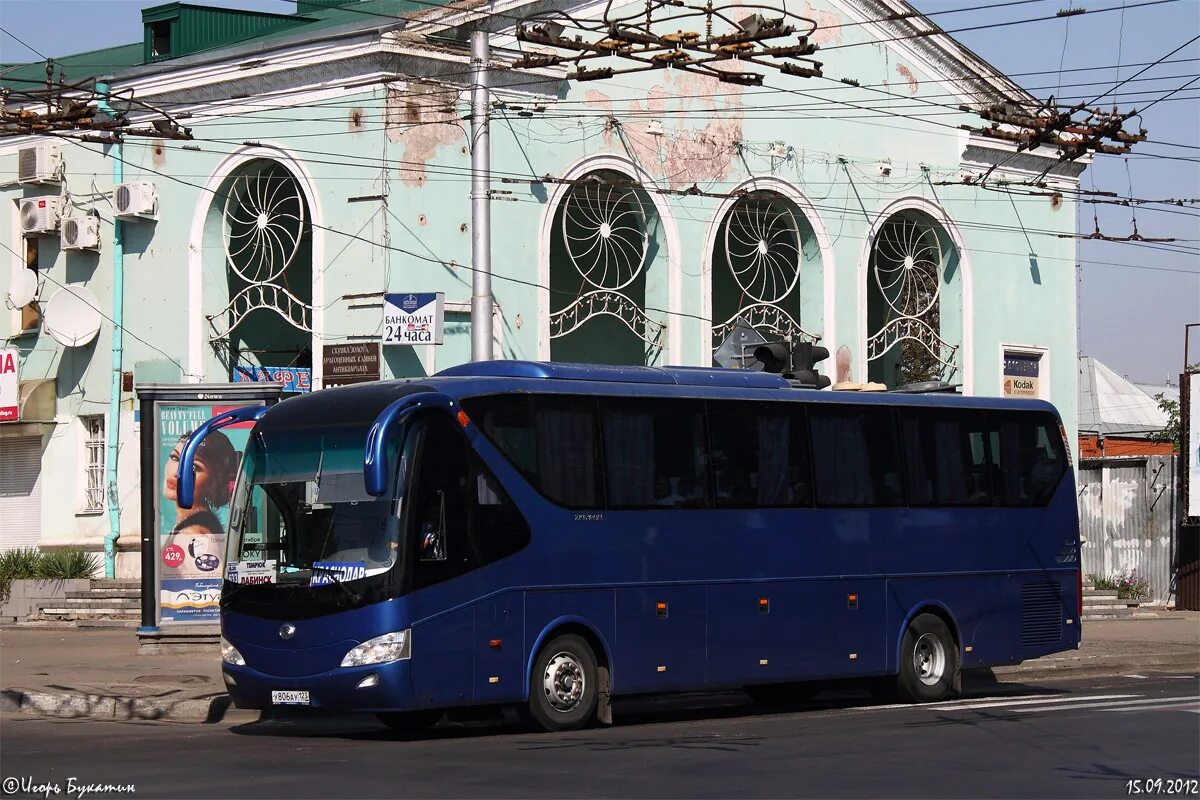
point(40, 163)
point(81, 232)
point(138, 200)
point(39, 214)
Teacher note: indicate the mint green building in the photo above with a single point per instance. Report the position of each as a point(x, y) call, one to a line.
point(636, 219)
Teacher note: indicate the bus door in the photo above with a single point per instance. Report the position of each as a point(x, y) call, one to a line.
point(468, 637)
point(437, 551)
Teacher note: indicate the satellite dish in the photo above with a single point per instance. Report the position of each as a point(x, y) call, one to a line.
point(72, 316)
point(24, 288)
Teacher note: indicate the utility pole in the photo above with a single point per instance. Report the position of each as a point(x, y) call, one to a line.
point(112, 425)
point(481, 213)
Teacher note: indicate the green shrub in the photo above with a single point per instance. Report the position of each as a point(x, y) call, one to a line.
point(66, 564)
point(17, 565)
point(1128, 585)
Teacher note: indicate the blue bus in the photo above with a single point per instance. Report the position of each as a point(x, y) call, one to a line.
point(550, 536)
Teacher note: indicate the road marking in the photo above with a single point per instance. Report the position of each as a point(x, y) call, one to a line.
point(1139, 677)
point(1187, 704)
point(1022, 701)
point(1145, 705)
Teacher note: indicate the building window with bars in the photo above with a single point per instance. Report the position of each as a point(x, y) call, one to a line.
point(93, 447)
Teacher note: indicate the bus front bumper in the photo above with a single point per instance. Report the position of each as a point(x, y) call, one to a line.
point(376, 687)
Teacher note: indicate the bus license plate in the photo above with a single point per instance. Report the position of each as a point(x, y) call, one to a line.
point(289, 698)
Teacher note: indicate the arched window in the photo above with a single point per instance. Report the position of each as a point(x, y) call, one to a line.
point(266, 237)
point(760, 256)
point(914, 302)
point(604, 241)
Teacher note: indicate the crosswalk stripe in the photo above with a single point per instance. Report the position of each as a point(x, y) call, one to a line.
point(1191, 704)
point(1122, 705)
point(1029, 700)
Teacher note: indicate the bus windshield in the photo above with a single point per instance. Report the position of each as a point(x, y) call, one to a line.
point(301, 515)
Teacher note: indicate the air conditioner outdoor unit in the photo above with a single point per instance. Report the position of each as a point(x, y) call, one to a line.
point(136, 201)
point(39, 214)
point(41, 163)
point(81, 232)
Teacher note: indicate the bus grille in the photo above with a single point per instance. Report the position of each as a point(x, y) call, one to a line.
point(1041, 613)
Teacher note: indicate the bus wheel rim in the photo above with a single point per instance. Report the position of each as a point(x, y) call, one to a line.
point(929, 659)
point(563, 682)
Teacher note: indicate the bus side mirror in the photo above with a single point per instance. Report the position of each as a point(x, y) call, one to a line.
point(186, 492)
point(375, 467)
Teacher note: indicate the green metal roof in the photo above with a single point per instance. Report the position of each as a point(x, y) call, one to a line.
point(209, 29)
point(77, 67)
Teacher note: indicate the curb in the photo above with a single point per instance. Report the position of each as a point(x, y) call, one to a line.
point(1097, 666)
point(110, 707)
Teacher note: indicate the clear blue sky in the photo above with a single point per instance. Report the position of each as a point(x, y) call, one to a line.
point(1132, 307)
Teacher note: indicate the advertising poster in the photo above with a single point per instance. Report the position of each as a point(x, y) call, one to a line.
point(192, 541)
point(1022, 375)
point(1193, 444)
point(10, 384)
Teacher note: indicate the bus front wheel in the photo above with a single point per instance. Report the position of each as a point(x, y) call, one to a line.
point(564, 684)
point(928, 660)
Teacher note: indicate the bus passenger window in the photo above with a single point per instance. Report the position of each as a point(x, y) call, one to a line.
point(759, 455)
point(551, 439)
point(1031, 457)
point(945, 458)
point(855, 456)
point(655, 453)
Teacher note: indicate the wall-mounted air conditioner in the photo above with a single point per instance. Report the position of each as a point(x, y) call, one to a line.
point(136, 201)
point(40, 163)
point(39, 214)
point(80, 232)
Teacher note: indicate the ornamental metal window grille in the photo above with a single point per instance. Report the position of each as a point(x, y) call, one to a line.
point(759, 258)
point(603, 234)
point(93, 469)
point(907, 276)
point(264, 230)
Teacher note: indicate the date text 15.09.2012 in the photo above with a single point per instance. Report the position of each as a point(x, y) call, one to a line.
point(1163, 787)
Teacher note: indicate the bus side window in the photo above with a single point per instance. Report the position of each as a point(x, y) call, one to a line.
point(655, 453)
point(439, 505)
point(1030, 454)
point(551, 439)
point(759, 455)
point(945, 458)
point(855, 456)
point(497, 527)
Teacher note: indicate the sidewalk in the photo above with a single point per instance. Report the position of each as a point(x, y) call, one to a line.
point(97, 673)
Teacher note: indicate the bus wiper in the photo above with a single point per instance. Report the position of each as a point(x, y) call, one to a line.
point(333, 574)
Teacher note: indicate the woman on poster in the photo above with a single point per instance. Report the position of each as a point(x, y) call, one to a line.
point(215, 466)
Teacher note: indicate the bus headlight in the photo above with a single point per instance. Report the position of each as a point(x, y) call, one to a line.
point(389, 647)
point(230, 654)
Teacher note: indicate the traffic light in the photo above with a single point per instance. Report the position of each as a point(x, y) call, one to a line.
point(796, 362)
point(805, 356)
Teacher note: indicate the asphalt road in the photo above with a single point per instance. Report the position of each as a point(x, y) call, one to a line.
point(1066, 739)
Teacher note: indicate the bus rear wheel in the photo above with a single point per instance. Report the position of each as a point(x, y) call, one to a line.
point(564, 684)
point(928, 661)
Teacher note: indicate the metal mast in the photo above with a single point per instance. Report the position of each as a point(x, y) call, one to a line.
point(481, 216)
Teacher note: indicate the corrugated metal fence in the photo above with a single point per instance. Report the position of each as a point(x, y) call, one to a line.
point(1127, 510)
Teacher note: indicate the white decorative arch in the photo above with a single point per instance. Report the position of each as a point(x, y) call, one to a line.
point(770, 183)
point(936, 212)
point(195, 310)
point(630, 169)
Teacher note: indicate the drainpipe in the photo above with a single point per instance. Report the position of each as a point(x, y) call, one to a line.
point(112, 428)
